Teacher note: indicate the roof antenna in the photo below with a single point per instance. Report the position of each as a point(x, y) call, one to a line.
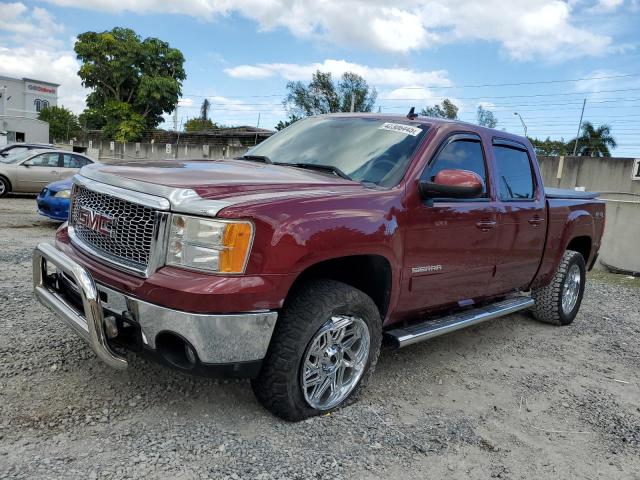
point(412, 115)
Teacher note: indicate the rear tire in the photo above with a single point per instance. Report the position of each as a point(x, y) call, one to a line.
point(328, 336)
point(558, 302)
point(5, 186)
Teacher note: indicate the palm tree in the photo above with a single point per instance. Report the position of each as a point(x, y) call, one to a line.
point(204, 109)
point(595, 142)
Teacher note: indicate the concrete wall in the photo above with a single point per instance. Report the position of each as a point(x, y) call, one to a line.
point(118, 152)
point(614, 179)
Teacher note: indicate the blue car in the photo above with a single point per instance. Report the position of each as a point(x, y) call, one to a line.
point(53, 201)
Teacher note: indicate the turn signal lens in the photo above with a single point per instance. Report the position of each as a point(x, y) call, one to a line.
point(236, 241)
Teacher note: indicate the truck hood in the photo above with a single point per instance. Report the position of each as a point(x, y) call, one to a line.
point(234, 181)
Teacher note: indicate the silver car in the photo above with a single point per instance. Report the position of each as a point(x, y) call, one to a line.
point(31, 171)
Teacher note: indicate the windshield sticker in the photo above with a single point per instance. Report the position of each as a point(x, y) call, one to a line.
point(399, 127)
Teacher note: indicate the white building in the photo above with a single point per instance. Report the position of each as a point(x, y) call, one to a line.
point(21, 99)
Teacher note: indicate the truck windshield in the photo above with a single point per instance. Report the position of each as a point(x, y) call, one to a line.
point(369, 150)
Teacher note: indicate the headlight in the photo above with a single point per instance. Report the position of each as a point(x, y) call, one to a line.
point(211, 245)
point(62, 194)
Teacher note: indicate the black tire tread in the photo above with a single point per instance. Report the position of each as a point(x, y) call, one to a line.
point(272, 386)
point(547, 298)
point(7, 185)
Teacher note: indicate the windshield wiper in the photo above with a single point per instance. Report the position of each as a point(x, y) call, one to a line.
point(255, 158)
point(317, 166)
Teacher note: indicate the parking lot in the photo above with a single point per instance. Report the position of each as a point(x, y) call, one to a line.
point(508, 399)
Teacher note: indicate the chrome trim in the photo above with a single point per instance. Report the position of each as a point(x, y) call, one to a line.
point(217, 338)
point(401, 337)
point(182, 200)
point(87, 324)
point(151, 201)
point(159, 243)
point(156, 256)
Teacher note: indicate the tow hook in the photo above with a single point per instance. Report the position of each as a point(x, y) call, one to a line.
point(111, 326)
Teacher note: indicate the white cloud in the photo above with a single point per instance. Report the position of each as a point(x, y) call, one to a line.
point(185, 102)
point(487, 105)
point(412, 93)
point(608, 5)
point(30, 46)
point(525, 29)
point(604, 80)
point(373, 75)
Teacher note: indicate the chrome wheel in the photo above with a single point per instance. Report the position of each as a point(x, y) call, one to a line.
point(3, 188)
point(571, 289)
point(334, 361)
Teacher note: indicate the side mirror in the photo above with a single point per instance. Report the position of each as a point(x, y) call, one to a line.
point(453, 184)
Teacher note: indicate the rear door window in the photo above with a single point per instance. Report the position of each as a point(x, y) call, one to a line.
point(82, 161)
point(70, 161)
point(515, 176)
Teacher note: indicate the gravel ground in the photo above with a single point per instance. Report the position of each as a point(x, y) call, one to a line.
point(511, 398)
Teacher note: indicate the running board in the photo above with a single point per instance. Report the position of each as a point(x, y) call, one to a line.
point(401, 337)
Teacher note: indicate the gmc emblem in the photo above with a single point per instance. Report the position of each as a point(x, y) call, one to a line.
point(95, 221)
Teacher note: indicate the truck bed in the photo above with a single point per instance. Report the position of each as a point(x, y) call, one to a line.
point(569, 194)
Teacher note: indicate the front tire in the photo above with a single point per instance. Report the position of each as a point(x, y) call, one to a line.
point(323, 352)
point(5, 186)
point(558, 302)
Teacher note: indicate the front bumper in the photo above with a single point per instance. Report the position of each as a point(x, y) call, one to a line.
point(216, 339)
point(54, 208)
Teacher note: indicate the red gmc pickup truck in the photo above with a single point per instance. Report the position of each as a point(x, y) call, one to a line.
point(290, 264)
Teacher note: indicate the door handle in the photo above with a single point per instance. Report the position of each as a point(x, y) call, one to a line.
point(536, 221)
point(486, 225)
point(53, 171)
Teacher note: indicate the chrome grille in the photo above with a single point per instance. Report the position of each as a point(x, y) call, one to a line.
point(132, 227)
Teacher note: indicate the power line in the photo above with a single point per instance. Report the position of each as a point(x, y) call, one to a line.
point(485, 97)
point(542, 82)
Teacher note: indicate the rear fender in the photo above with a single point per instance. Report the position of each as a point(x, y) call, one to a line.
point(579, 223)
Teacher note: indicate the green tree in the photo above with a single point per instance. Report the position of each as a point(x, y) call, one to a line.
point(594, 142)
point(199, 125)
point(282, 124)
point(486, 118)
point(123, 123)
point(550, 147)
point(63, 124)
point(92, 119)
point(323, 95)
point(143, 76)
point(447, 109)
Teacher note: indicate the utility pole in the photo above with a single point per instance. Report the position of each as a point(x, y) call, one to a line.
point(575, 146)
point(175, 119)
point(3, 95)
point(353, 103)
point(255, 142)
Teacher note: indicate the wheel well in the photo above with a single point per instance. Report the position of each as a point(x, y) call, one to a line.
point(582, 245)
point(368, 273)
